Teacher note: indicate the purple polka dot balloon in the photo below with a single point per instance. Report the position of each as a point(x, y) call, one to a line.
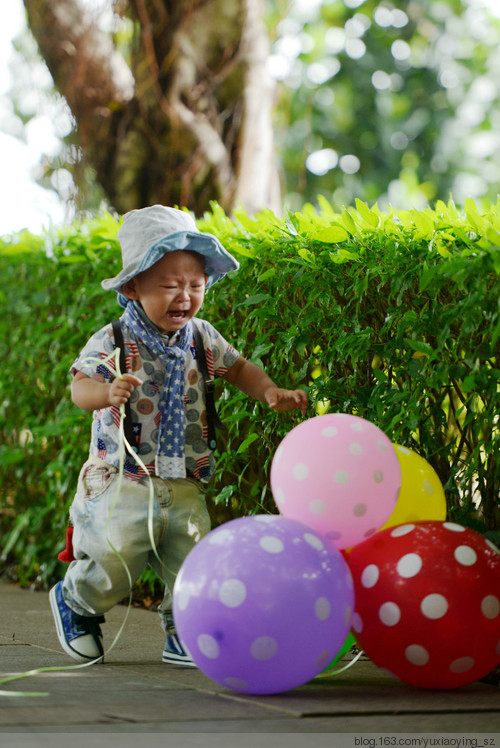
point(339, 474)
point(263, 604)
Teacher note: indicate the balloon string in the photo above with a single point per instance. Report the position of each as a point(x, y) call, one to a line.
point(328, 673)
point(123, 445)
point(24, 693)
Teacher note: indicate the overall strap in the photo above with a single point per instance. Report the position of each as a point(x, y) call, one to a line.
point(213, 419)
point(127, 424)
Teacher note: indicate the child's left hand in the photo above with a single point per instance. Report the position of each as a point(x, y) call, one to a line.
point(279, 399)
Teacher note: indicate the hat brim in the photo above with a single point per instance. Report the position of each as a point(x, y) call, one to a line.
point(218, 261)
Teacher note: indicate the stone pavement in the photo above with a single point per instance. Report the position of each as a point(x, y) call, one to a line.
point(133, 693)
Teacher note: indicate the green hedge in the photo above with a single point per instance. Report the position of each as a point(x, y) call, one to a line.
point(393, 316)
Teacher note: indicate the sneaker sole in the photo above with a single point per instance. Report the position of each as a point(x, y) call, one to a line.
point(172, 659)
point(61, 635)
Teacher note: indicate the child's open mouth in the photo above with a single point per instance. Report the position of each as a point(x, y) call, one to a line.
point(177, 315)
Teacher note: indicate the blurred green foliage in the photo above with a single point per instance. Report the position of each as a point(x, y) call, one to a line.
point(396, 102)
point(393, 316)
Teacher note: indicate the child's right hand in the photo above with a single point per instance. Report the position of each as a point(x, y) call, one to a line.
point(121, 389)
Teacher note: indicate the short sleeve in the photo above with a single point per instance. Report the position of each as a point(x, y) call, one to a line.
point(92, 359)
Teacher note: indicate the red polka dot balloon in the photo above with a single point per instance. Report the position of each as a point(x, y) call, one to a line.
point(428, 603)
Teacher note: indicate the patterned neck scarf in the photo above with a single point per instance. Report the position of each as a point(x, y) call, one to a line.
point(170, 455)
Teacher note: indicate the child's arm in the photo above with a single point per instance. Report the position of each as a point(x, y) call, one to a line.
point(253, 381)
point(89, 394)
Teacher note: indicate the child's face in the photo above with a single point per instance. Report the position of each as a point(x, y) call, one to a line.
point(171, 292)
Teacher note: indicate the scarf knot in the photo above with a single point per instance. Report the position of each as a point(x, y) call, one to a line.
point(170, 459)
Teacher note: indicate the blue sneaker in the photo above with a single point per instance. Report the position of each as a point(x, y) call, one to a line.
point(79, 636)
point(174, 652)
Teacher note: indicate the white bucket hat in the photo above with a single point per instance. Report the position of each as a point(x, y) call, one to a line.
point(147, 234)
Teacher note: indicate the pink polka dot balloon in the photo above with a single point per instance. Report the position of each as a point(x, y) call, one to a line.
point(428, 603)
point(339, 474)
point(263, 604)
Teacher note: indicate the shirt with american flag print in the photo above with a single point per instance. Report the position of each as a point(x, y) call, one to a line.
point(144, 400)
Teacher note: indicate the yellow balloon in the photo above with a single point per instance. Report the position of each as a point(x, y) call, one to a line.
point(421, 496)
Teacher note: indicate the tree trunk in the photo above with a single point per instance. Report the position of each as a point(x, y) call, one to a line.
point(188, 120)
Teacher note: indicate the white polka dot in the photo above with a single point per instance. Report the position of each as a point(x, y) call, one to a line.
point(434, 606)
point(271, 544)
point(279, 452)
point(279, 495)
point(492, 546)
point(232, 593)
point(323, 659)
point(208, 646)
point(300, 471)
point(264, 648)
point(341, 477)
point(316, 506)
point(462, 664)
point(417, 655)
point(378, 476)
point(219, 537)
point(408, 566)
point(401, 530)
point(370, 576)
point(357, 623)
point(403, 450)
point(333, 535)
point(389, 613)
point(490, 606)
point(182, 598)
point(355, 449)
point(322, 608)
point(465, 555)
point(382, 446)
point(453, 527)
point(237, 683)
point(357, 426)
point(428, 488)
point(314, 541)
point(360, 510)
point(329, 431)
